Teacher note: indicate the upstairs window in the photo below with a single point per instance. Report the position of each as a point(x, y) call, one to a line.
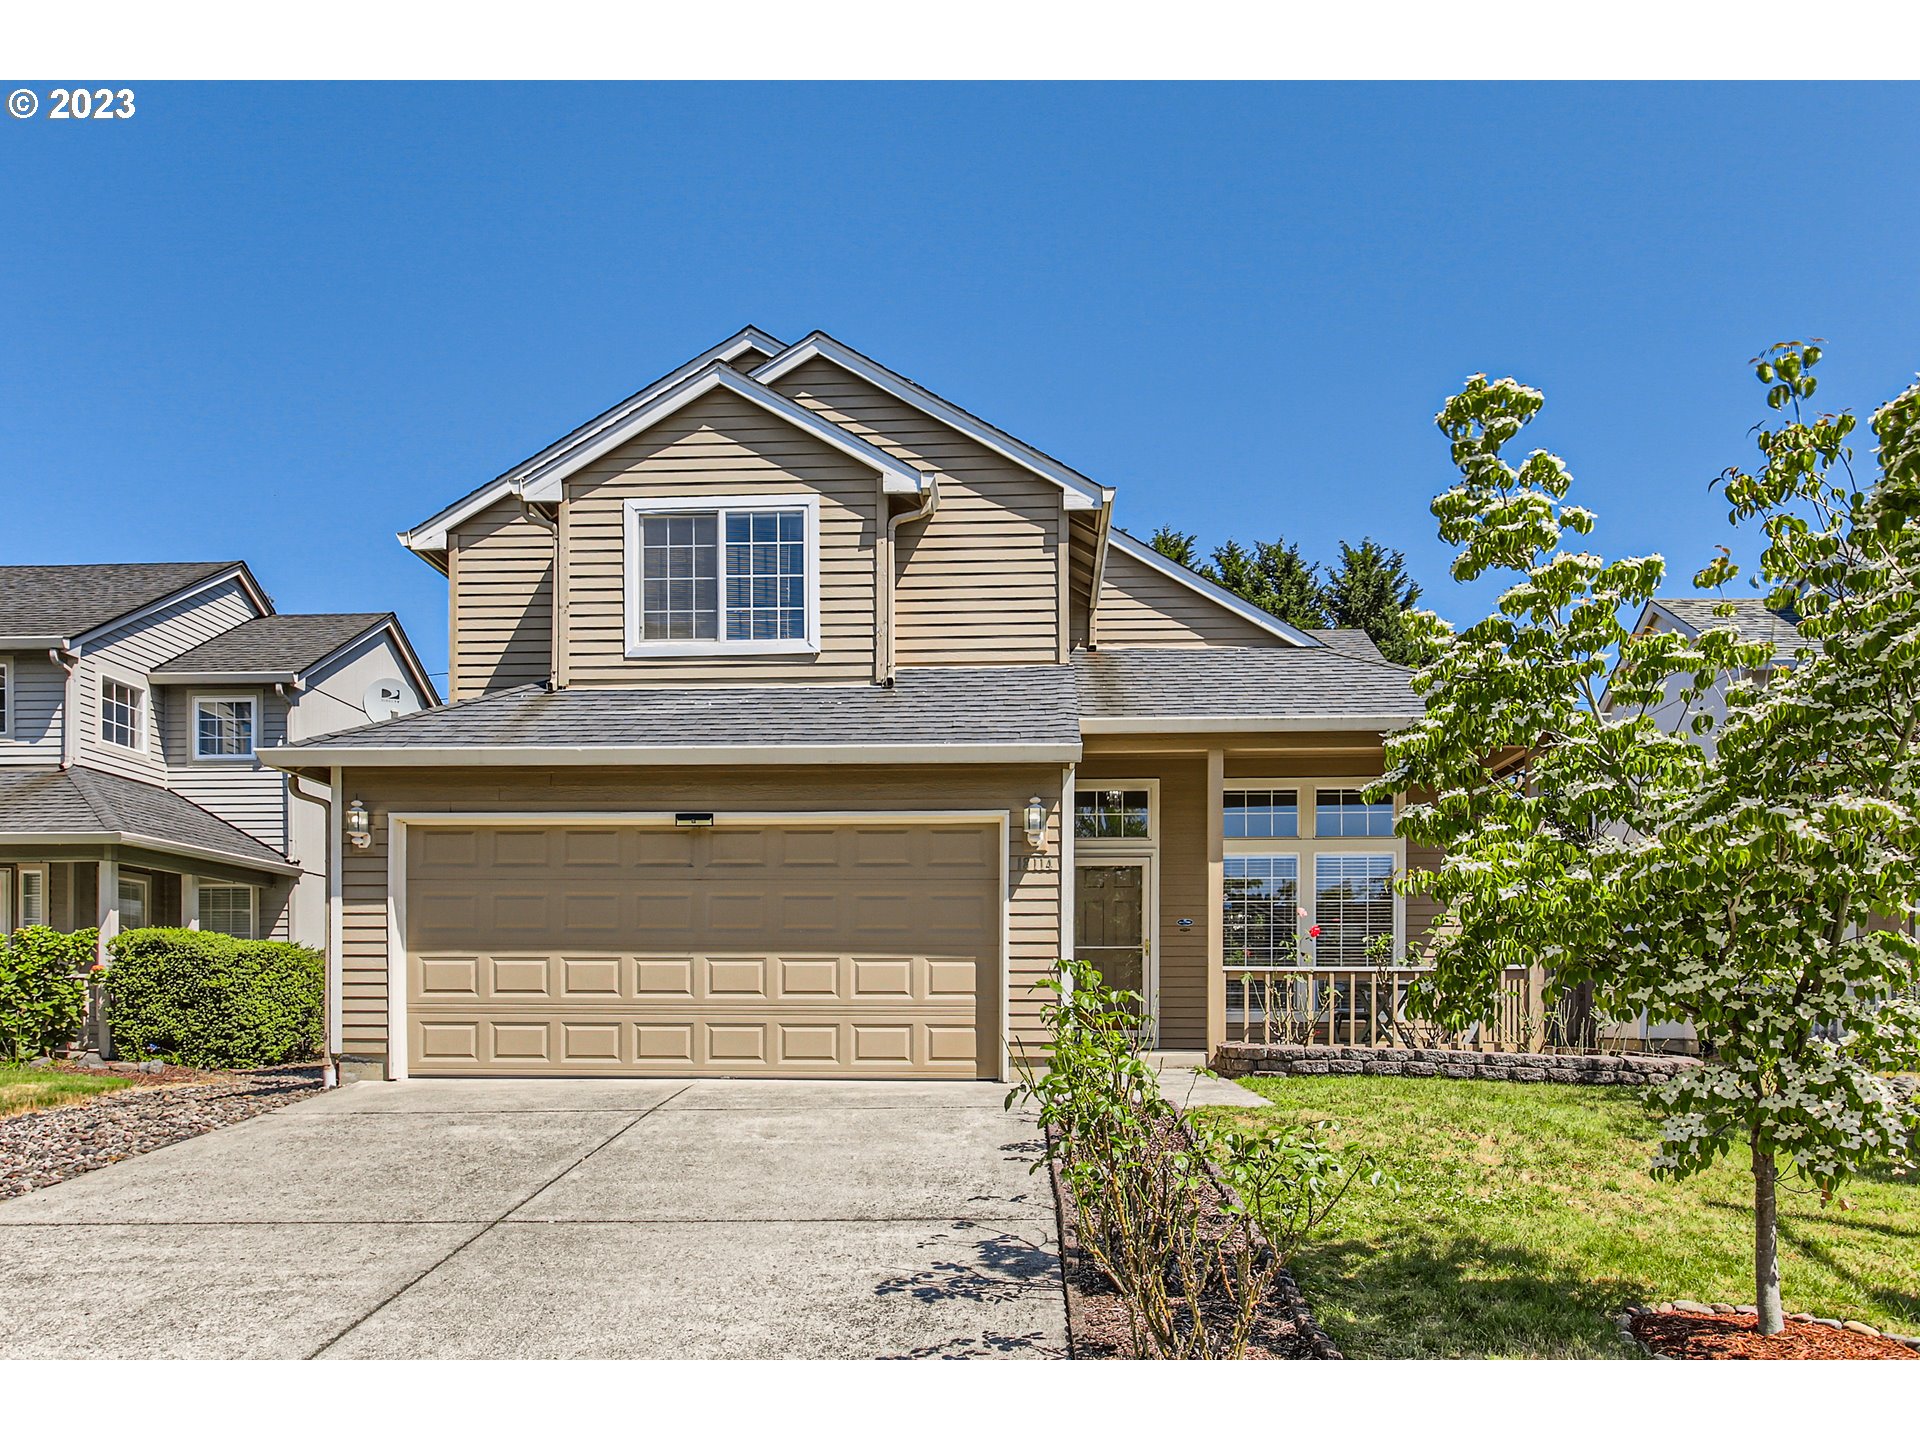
point(6, 698)
point(722, 575)
point(122, 714)
point(223, 727)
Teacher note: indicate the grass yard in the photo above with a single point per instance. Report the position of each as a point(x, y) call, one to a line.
point(1526, 1217)
point(25, 1089)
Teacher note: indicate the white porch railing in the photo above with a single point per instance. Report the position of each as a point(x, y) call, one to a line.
point(1367, 1005)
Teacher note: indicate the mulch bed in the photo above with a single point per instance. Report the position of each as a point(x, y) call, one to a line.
point(1737, 1337)
point(44, 1147)
point(1097, 1326)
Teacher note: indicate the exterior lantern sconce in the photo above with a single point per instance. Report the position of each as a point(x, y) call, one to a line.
point(359, 826)
point(1036, 818)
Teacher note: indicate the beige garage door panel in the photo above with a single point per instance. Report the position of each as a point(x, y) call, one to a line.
point(811, 949)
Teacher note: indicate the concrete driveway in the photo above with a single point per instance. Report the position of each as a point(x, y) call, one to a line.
point(557, 1218)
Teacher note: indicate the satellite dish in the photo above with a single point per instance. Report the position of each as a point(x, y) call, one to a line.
point(388, 699)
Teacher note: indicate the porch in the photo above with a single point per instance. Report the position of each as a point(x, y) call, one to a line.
point(1243, 884)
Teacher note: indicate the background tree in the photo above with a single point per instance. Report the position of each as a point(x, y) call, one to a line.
point(1181, 548)
point(1370, 590)
point(1273, 576)
point(1746, 893)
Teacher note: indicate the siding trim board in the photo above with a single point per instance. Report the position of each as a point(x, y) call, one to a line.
point(399, 822)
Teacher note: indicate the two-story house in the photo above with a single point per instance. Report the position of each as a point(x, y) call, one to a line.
point(134, 702)
point(802, 720)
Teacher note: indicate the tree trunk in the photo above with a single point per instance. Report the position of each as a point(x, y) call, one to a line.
point(1766, 1244)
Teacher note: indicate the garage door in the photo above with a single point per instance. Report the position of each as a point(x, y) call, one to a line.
point(804, 949)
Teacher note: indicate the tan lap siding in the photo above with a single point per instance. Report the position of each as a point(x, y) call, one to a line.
point(1141, 606)
point(978, 582)
point(501, 588)
point(720, 445)
point(1033, 901)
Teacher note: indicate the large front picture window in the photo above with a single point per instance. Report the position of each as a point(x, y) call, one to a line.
point(1352, 905)
point(720, 575)
point(1263, 900)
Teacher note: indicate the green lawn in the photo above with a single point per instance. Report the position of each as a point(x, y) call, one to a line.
point(1526, 1217)
point(25, 1089)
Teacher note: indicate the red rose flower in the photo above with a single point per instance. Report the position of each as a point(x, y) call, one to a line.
point(1313, 931)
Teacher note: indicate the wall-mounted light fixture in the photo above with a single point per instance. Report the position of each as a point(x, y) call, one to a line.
point(694, 820)
point(359, 825)
point(1036, 822)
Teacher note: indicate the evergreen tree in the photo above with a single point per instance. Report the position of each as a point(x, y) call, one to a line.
point(1370, 590)
point(1273, 576)
point(1177, 546)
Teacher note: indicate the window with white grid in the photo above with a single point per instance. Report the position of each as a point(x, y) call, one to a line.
point(227, 909)
point(1262, 909)
point(1349, 813)
point(120, 713)
point(1352, 905)
point(223, 728)
point(727, 574)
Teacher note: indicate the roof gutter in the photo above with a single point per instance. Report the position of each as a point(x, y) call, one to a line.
point(35, 642)
point(1236, 724)
point(224, 677)
point(147, 842)
point(296, 757)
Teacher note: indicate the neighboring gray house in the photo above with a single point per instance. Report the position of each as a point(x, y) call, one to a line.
point(1751, 620)
point(133, 699)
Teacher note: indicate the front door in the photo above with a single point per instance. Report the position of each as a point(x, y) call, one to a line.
point(1110, 925)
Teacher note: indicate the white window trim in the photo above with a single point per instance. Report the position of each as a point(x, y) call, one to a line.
point(640, 648)
point(1107, 843)
point(201, 886)
point(193, 726)
point(6, 900)
point(6, 698)
point(143, 720)
point(20, 873)
point(1308, 846)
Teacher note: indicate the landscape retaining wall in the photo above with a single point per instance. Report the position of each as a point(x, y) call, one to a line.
point(1244, 1059)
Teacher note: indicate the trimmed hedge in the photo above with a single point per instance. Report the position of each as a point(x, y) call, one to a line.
point(196, 997)
point(43, 989)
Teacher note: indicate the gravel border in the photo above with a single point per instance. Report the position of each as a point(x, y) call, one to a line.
point(1623, 1322)
point(43, 1147)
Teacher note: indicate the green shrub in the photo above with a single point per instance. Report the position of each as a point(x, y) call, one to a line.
point(199, 998)
point(43, 989)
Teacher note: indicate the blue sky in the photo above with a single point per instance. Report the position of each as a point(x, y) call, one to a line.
point(283, 322)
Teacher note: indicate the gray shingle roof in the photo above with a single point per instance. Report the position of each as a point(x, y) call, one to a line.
point(273, 645)
point(1281, 683)
point(1752, 621)
point(1356, 643)
point(1000, 705)
point(82, 802)
point(69, 600)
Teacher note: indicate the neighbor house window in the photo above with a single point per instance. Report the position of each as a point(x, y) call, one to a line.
point(1349, 812)
point(1263, 900)
point(724, 574)
point(1261, 814)
point(223, 728)
point(1352, 905)
point(6, 698)
point(23, 897)
point(121, 707)
point(133, 901)
point(228, 909)
point(1112, 814)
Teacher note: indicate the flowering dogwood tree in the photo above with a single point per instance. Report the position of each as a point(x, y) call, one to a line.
point(1760, 890)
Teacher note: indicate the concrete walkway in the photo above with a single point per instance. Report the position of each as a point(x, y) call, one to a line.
point(555, 1219)
point(1186, 1089)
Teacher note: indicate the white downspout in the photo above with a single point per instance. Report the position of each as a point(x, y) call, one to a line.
point(929, 503)
point(330, 996)
point(69, 664)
